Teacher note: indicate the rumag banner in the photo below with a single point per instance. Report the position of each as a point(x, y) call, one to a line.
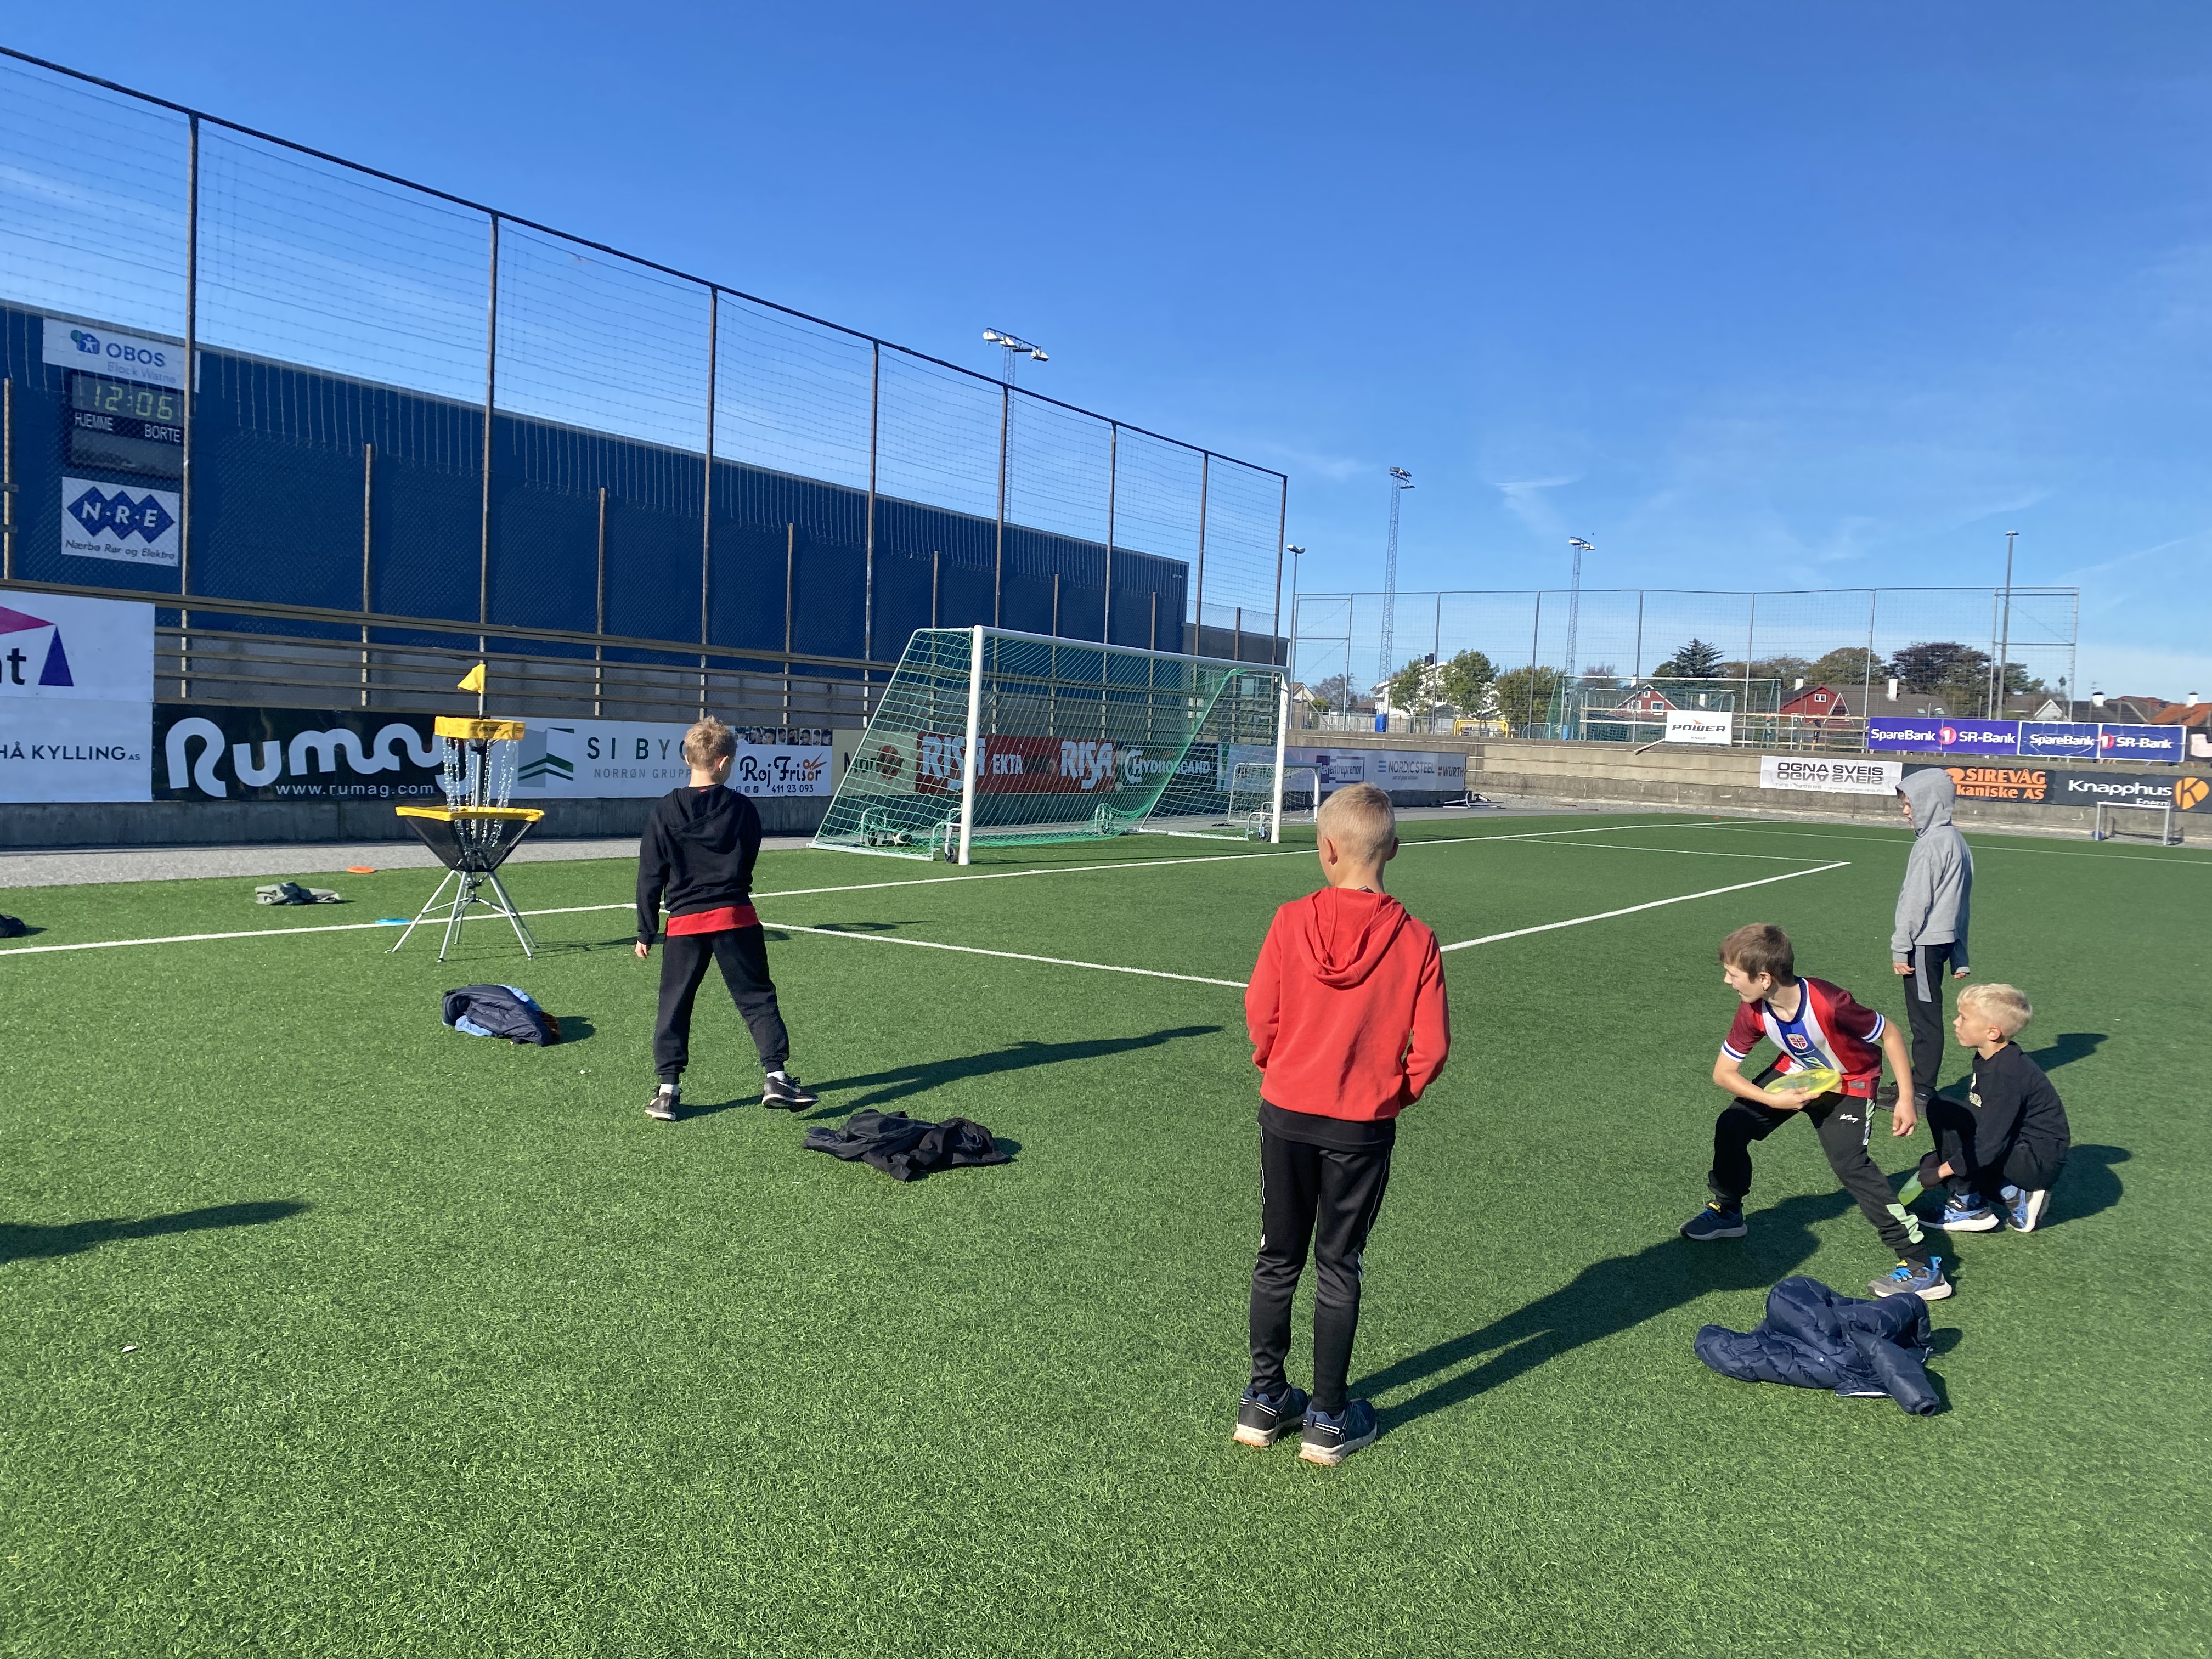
point(2032, 785)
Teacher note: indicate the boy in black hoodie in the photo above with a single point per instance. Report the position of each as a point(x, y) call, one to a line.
point(697, 853)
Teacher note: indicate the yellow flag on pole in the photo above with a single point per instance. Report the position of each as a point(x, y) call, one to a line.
point(474, 679)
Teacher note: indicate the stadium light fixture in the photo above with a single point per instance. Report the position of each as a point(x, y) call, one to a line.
point(1011, 347)
point(1575, 604)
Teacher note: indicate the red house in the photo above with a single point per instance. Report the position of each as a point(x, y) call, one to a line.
point(1649, 701)
point(1816, 701)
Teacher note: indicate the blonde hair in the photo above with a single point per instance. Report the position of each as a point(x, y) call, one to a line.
point(2004, 1007)
point(708, 742)
point(1358, 819)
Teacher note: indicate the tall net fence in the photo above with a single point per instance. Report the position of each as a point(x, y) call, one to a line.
point(1604, 664)
point(1072, 742)
point(415, 424)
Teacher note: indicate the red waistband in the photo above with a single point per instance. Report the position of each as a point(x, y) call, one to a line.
point(713, 921)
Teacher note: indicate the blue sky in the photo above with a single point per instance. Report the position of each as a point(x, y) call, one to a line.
point(1801, 297)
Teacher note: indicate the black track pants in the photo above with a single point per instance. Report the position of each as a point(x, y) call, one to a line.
point(1924, 1008)
point(1841, 1121)
point(743, 953)
point(2031, 1168)
point(1329, 1197)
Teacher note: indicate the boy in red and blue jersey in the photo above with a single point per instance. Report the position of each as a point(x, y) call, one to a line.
point(1818, 1026)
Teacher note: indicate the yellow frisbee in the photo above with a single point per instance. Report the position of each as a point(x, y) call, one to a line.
point(1810, 1079)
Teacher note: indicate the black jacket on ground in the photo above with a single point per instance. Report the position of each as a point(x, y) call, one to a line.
point(697, 854)
point(2013, 1104)
point(499, 1011)
point(903, 1147)
point(1813, 1338)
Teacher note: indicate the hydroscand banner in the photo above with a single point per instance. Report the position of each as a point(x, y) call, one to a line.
point(2047, 786)
point(76, 695)
point(121, 522)
point(581, 760)
point(1697, 725)
point(1830, 776)
point(207, 751)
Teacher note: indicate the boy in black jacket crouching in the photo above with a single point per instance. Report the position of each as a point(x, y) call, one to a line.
point(697, 853)
point(1999, 1149)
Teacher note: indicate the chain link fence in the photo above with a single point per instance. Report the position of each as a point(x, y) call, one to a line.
point(1804, 668)
point(418, 427)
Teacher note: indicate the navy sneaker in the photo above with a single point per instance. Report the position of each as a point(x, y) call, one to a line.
point(1908, 1279)
point(1967, 1213)
point(1332, 1439)
point(1261, 1421)
point(1715, 1220)
point(2025, 1209)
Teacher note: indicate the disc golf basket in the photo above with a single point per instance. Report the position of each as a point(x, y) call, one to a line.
point(475, 830)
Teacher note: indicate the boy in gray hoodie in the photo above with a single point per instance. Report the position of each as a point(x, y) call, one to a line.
point(1930, 935)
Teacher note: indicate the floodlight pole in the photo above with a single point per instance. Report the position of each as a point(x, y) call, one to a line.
point(1282, 730)
point(969, 758)
point(2004, 635)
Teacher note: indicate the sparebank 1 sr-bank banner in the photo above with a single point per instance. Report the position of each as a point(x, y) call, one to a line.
point(76, 698)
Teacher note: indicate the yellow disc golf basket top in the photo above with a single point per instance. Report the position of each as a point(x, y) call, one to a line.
point(475, 830)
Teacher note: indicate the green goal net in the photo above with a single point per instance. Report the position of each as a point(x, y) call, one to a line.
point(1071, 741)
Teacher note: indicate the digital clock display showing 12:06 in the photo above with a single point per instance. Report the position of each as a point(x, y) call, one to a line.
point(130, 398)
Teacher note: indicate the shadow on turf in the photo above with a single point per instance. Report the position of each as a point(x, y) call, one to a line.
point(21, 1243)
point(919, 1076)
point(2067, 1048)
point(1604, 1299)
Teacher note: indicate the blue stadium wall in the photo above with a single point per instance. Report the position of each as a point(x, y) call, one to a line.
point(278, 509)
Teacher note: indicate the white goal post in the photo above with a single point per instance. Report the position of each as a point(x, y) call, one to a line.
point(2167, 833)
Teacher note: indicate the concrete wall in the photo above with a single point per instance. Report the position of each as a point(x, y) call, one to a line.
point(1613, 774)
point(261, 823)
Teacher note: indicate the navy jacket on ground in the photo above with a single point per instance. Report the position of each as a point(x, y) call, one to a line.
point(1813, 1338)
point(499, 1011)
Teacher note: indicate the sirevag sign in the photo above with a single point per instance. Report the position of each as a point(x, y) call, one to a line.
point(206, 751)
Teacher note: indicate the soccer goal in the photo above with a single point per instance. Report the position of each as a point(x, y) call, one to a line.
point(2106, 827)
point(984, 736)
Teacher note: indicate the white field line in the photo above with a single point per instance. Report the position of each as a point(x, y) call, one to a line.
point(1655, 905)
point(1902, 840)
point(1012, 956)
point(800, 892)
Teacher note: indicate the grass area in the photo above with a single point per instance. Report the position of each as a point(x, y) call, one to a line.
point(443, 1347)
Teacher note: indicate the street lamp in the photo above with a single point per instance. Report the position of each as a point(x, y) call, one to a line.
point(1011, 347)
point(1575, 603)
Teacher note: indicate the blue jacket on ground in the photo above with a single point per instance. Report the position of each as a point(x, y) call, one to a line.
point(1813, 1338)
point(504, 1011)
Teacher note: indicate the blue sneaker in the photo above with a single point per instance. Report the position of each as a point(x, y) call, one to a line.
point(2025, 1209)
point(1262, 1420)
point(1715, 1220)
point(1907, 1278)
point(1967, 1213)
point(1332, 1439)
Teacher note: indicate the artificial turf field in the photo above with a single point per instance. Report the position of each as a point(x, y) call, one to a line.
point(443, 1347)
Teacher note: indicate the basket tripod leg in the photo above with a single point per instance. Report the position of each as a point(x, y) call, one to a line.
point(425, 910)
point(506, 905)
point(464, 896)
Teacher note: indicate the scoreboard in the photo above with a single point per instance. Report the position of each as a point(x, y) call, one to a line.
point(125, 426)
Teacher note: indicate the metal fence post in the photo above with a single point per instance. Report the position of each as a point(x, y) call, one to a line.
point(999, 557)
point(1750, 633)
point(868, 574)
point(1866, 693)
point(368, 520)
point(1639, 672)
point(491, 383)
point(599, 651)
point(1112, 488)
point(190, 399)
point(1197, 646)
point(706, 492)
point(790, 567)
point(7, 478)
point(1275, 626)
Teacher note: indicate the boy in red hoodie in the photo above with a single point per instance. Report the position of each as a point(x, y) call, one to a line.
point(1348, 1023)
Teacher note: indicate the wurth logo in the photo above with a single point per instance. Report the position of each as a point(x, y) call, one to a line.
point(15, 661)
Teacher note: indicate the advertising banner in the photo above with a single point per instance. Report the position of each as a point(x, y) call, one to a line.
point(2049, 786)
point(1698, 726)
point(1011, 765)
point(121, 522)
point(103, 351)
point(1940, 732)
point(2058, 740)
point(1829, 776)
point(582, 760)
point(206, 751)
point(2139, 743)
point(76, 689)
point(1400, 771)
